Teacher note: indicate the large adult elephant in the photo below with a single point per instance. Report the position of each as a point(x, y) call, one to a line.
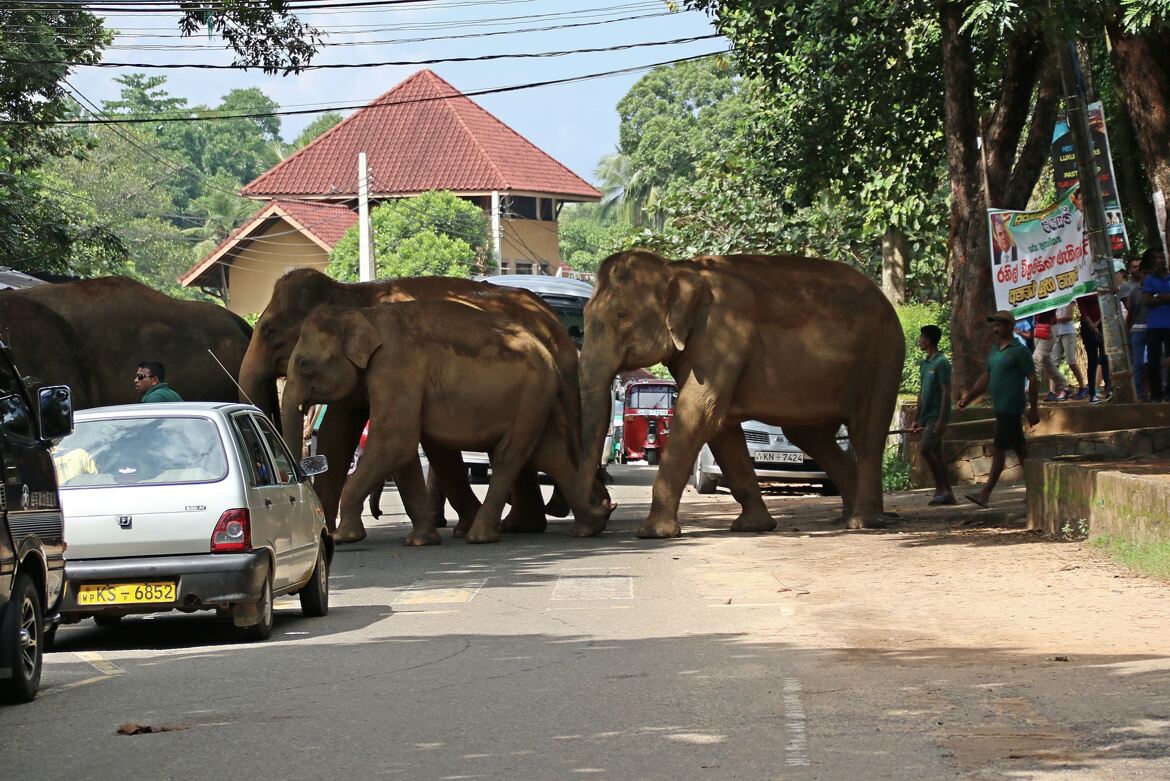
point(43, 345)
point(298, 293)
point(115, 323)
point(797, 342)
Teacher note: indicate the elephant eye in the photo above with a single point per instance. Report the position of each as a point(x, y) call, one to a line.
point(622, 315)
point(304, 365)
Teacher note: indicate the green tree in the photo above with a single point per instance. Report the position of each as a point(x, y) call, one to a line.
point(433, 233)
point(221, 212)
point(586, 238)
point(37, 226)
point(315, 128)
point(240, 148)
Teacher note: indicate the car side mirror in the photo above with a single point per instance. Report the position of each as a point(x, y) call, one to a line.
point(314, 465)
point(54, 413)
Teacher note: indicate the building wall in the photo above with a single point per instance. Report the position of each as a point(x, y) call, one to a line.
point(254, 271)
point(529, 241)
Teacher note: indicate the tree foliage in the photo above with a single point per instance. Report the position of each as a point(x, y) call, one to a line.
point(315, 128)
point(436, 233)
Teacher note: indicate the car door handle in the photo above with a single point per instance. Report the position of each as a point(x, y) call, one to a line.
point(267, 502)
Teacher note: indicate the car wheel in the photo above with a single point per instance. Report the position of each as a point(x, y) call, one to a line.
point(262, 629)
point(829, 489)
point(702, 483)
point(652, 457)
point(23, 634)
point(315, 594)
point(107, 620)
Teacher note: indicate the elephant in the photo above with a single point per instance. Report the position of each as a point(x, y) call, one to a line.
point(447, 376)
point(42, 341)
point(114, 323)
point(797, 342)
point(298, 293)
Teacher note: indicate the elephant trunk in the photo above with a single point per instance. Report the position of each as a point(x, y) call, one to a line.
point(596, 412)
point(258, 377)
point(292, 418)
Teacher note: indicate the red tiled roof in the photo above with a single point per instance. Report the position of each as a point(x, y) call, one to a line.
point(421, 135)
point(324, 223)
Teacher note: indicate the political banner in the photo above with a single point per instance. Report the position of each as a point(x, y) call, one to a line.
point(1040, 260)
point(1066, 176)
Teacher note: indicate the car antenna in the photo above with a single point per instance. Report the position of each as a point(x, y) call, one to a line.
point(230, 377)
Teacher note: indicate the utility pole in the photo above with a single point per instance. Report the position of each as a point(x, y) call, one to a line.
point(366, 271)
point(1112, 327)
point(497, 256)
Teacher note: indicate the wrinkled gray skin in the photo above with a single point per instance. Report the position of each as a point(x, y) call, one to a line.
point(444, 375)
point(297, 295)
point(796, 342)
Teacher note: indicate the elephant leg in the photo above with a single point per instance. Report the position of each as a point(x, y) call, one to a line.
point(698, 417)
point(376, 501)
point(820, 443)
point(730, 450)
point(383, 457)
point(337, 440)
point(509, 457)
point(413, 490)
point(527, 513)
point(558, 505)
point(448, 482)
point(868, 428)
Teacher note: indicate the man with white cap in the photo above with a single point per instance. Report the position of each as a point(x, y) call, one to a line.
point(1009, 370)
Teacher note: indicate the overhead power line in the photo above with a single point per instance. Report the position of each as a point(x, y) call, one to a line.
point(351, 65)
point(215, 117)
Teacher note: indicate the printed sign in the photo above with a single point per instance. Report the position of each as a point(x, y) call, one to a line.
point(1066, 176)
point(1040, 260)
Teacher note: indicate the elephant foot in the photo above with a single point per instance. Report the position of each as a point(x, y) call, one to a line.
point(483, 533)
point(461, 529)
point(349, 534)
point(587, 528)
point(754, 521)
point(659, 529)
point(524, 523)
point(423, 537)
point(859, 521)
point(558, 505)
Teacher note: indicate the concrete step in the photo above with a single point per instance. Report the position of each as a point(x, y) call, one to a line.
point(1130, 500)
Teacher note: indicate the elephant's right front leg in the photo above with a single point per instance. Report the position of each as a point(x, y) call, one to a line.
point(337, 439)
point(413, 490)
point(730, 450)
point(450, 476)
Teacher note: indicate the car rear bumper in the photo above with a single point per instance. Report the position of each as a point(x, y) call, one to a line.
point(203, 582)
point(767, 473)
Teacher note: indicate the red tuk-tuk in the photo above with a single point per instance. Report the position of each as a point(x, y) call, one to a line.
point(647, 412)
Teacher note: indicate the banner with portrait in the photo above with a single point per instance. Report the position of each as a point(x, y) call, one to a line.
point(1040, 260)
point(1066, 176)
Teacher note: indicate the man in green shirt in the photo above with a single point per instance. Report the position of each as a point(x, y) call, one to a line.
point(150, 383)
point(934, 409)
point(1009, 370)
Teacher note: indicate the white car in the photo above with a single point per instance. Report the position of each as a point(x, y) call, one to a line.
point(776, 459)
point(188, 506)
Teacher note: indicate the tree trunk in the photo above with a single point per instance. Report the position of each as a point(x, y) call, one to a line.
point(1012, 170)
point(1145, 79)
point(895, 264)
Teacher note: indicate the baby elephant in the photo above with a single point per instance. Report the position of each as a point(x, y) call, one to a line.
point(438, 372)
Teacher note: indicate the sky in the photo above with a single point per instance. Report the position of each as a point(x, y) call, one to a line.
point(576, 123)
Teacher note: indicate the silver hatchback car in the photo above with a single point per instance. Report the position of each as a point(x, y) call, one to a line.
point(776, 459)
point(188, 506)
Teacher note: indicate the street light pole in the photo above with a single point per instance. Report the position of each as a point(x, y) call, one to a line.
point(1112, 327)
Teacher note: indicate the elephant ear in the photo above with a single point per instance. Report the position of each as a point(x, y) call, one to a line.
point(360, 340)
point(686, 294)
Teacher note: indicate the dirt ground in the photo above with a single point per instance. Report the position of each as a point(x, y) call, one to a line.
point(960, 576)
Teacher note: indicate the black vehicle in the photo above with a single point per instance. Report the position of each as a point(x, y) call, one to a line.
point(32, 543)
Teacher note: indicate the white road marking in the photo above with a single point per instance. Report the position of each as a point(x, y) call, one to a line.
point(599, 587)
point(439, 592)
point(795, 721)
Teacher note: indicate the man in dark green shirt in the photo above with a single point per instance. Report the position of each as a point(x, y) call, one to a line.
point(1009, 370)
point(934, 409)
point(150, 382)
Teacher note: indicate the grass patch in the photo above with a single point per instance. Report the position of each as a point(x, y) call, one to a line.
point(895, 471)
point(1149, 558)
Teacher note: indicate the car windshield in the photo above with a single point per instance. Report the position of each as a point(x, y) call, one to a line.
point(651, 397)
point(140, 451)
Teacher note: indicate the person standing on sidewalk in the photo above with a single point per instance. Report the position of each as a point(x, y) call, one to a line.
point(1064, 333)
point(1156, 295)
point(934, 408)
point(1135, 324)
point(1009, 369)
point(1094, 342)
point(1043, 355)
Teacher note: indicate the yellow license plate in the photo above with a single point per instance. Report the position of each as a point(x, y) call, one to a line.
point(125, 593)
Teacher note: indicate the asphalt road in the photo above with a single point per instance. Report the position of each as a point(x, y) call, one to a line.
point(542, 657)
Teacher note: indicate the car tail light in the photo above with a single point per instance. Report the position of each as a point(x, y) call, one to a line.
point(233, 532)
